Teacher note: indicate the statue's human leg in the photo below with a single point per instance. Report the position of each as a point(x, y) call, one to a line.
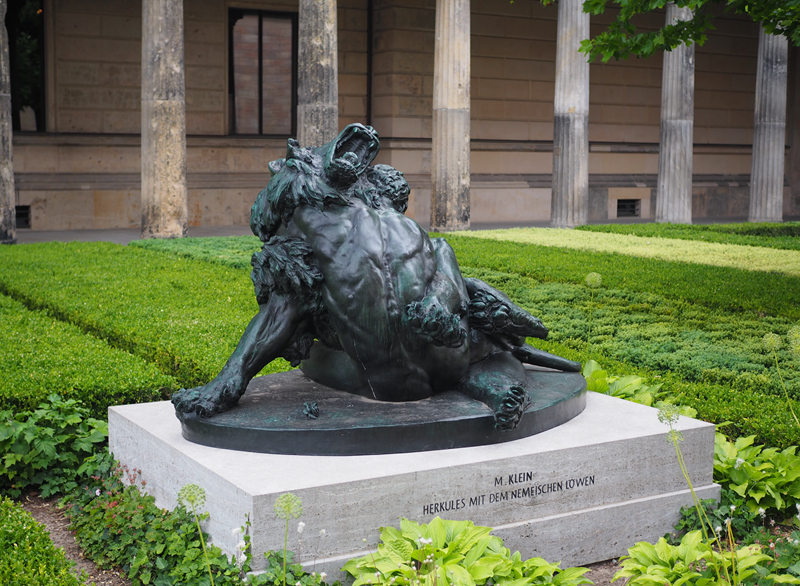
point(439, 316)
point(499, 380)
point(267, 334)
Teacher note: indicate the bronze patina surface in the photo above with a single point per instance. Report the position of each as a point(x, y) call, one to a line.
point(366, 302)
point(271, 418)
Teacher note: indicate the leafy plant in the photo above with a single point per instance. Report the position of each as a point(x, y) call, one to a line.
point(452, 552)
point(785, 551)
point(630, 387)
point(694, 561)
point(281, 570)
point(47, 447)
point(772, 343)
point(728, 511)
point(27, 556)
point(287, 506)
point(119, 525)
point(766, 478)
point(192, 498)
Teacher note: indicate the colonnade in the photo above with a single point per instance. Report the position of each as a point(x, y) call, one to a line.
point(163, 167)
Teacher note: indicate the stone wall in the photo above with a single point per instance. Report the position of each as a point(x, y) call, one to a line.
point(84, 172)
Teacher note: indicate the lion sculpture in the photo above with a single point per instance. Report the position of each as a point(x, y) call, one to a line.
point(363, 300)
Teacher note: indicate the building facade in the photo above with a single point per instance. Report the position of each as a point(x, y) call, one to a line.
point(77, 149)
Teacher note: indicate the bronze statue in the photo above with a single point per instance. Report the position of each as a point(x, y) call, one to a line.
point(360, 296)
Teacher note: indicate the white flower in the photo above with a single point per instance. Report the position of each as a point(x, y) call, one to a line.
point(97, 492)
point(323, 575)
point(733, 508)
point(236, 531)
point(761, 512)
point(322, 533)
point(300, 527)
point(739, 462)
point(718, 529)
point(241, 546)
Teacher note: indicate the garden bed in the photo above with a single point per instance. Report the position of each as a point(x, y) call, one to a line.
point(108, 324)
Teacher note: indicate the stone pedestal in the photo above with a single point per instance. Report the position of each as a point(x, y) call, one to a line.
point(579, 493)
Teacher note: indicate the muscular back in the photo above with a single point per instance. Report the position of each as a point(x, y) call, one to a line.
point(374, 263)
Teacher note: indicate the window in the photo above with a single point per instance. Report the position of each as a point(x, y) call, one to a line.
point(23, 215)
point(629, 208)
point(25, 26)
point(263, 72)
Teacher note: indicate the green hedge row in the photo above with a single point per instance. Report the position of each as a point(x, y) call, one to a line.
point(159, 301)
point(727, 289)
point(41, 356)
point(712, 358)
point(27, 555)
point(771, 235)
point(231, 251)
point(182, 315)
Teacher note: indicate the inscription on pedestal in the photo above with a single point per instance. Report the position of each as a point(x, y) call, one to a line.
point(510, 487)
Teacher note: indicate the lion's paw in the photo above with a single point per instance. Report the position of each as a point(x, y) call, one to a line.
point(512, 407)
point(215, 397)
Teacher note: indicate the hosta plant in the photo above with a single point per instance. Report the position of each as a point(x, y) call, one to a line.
point(452, 552)
point(695, 562)
point(767, 478)
point(629, 387)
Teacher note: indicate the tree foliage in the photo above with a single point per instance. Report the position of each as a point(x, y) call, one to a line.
point(625, 38)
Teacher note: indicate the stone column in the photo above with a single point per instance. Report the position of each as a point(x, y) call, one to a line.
point(769, 130)
point(8, 196)
point(450, 165)
point(317, 73)
point(164, 193)
point(570, 200)
point(674, 190)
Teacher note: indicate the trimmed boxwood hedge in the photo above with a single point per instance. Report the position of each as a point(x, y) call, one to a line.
point(727, 289)
point(182, 304)
point(710, 357)
point(41, 356)
point(27, 555)
point(185, 316)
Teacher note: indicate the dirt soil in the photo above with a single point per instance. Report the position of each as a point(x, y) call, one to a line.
point(47, 512)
